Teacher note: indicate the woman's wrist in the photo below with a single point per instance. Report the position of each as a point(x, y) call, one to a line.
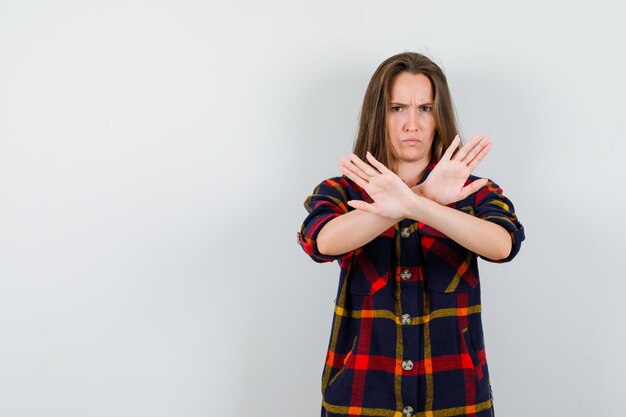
point(415, 208)
point(421, 190)
point(418, 189)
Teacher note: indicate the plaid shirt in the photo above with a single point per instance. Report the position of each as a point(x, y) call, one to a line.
point(406, 337)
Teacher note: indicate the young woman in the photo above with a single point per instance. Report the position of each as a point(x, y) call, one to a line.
point(407, 227)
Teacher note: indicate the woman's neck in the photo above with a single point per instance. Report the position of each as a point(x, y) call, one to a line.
point(411, 172)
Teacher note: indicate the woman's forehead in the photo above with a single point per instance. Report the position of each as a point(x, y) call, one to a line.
point(406, 88)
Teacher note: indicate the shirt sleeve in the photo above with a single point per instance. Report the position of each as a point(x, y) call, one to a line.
point(328, 200)
point(492, 205)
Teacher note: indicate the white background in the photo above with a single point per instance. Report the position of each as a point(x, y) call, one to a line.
point(155, 156)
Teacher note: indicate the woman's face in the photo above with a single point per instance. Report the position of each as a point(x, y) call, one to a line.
point(410, 118)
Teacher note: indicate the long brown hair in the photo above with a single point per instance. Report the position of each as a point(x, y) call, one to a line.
point(372, 135)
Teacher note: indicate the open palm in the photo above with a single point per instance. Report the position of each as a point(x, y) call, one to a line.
point(446, 182)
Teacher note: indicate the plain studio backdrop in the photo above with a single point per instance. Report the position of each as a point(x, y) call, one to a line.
point(154, 161)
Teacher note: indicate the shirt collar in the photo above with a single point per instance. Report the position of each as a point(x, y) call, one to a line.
point(427, 171)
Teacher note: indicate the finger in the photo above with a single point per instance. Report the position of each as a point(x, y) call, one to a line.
point(472, 152)
point(460, 155)
point(472, 187)
point(354, 177)
point(475, 149)
point(473, 163)
point(363, 165)
point(361, 205)
point(353, 168)
point(379, 165)
point(455, 142)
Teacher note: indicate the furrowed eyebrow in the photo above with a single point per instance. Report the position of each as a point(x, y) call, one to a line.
point(404, 104)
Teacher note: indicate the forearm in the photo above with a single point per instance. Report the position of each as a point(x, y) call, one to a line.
point(477, 235)
point(350, 231)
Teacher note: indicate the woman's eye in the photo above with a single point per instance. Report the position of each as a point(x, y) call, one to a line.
point(426, 108)
point(396, 108)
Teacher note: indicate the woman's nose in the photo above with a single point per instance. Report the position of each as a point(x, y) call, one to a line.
point(411, 122)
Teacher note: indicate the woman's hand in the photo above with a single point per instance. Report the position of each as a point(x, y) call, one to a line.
point(392, 197)
point(445, 183)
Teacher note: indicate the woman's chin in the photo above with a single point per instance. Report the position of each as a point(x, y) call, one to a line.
point(410, 157)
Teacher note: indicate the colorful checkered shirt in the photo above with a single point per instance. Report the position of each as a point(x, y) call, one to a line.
point(407, 336)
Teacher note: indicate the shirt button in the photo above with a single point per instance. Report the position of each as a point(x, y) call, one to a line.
point(405, 232)
point(405, 319)
point(407, 411)
point(406, 274)
point(407, 365)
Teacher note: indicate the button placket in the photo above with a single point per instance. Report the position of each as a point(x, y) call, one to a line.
point(407, 272)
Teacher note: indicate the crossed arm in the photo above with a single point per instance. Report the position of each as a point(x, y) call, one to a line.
point(427, 203)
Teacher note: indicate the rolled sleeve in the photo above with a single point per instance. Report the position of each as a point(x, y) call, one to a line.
point(328, 200)
point(491, 205)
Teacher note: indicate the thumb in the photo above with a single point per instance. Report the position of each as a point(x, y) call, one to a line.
point(472, 187)
point(360, 205)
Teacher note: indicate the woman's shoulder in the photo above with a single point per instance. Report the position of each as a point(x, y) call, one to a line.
point(341, 185)
point(490, 187)
point(342, 180)
point(339, 181)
